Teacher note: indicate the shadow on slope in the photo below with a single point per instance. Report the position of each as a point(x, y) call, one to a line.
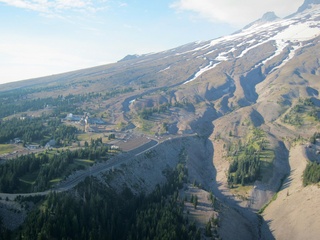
point(236, 222)
point(248, 82)
point(312, 92)
point(256, 118)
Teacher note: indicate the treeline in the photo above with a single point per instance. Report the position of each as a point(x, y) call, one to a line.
point(148, 112)
point(93, 151)
point(4, 233)
point(116, 92)
point(314, 137)
point(9, 106)
point(95, 211)
point(13, 102)
point(36, 129)
point(245, 168)
point(60, 104)
point(163, 220)
point(246, 164)
point(27, 129)
point(294, 117)
point(42, 167)
point(45, 167)
point(311, 174)
point(64, 135)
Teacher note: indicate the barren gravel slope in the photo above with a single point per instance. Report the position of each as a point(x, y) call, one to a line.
point(295, 214)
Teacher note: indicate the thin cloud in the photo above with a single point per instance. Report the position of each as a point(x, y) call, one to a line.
point(123, 4)
point(39, 6)
point(34, 59)
point(46, 6)
point(135, 28)
point(235, 12)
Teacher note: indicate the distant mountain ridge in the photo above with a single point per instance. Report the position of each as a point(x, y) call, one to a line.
point(129, 57)
point(267, 17)
point(308, 4)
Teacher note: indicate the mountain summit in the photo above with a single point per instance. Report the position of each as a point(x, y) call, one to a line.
point(308, 4)
point(267, 17)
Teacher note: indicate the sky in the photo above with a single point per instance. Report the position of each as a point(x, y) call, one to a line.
point(45, 37)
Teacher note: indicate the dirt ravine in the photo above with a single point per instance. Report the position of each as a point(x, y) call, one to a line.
point(243, 221)
point(295, 214)
point(144, 172)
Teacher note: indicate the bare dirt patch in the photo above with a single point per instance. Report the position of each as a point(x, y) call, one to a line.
point(295, 214)
point(204, 210)
point(131, 141)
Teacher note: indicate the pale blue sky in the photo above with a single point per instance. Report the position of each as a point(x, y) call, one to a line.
point(44, 37)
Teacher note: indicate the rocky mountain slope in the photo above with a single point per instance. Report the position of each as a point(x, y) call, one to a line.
point(260, 84)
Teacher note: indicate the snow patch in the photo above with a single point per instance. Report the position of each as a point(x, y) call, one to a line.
point(222, 57)
point(290, 56)
point(194, 50)
point(163, 70)
point(226, 90)
point(281, 45)
point(251, 41)
point(212, 51)
point(202, 70)
point(251, 47)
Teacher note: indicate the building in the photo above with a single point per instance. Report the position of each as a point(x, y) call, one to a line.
point(32, 147)
point(52, 143)
point(72, 118)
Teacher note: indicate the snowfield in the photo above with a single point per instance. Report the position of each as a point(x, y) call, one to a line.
point(285, 33)
point(299, 32)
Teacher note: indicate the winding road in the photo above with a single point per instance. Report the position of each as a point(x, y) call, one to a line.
point(96, 169)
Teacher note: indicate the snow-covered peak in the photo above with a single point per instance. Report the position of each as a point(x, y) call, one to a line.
point(267, 17)
point(286, 35)
point(301, 27)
